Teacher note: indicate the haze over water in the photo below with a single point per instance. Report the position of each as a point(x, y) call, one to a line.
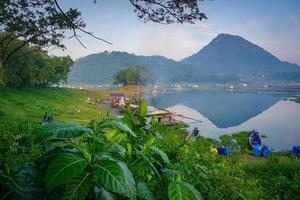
point(226, 113)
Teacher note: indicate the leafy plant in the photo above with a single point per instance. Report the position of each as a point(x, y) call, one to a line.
point(108, 160)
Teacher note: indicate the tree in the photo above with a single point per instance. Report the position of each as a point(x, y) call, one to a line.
point(32, 67)
point(35, 23)
point(168, 11)
point(43, 23)
point(30, 26)
point(133, 76)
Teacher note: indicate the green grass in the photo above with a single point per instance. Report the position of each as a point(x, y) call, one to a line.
point(62, 104)
point(22, 110)
point(280, 179)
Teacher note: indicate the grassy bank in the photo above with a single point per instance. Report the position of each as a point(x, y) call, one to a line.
point(22, 110)
point(62, 104)
point(216, 177)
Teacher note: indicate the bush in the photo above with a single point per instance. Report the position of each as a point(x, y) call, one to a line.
point(280, 179)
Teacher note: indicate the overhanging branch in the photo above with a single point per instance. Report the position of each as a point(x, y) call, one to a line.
point(76, 27)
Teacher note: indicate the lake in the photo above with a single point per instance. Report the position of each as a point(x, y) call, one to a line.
point(225, 113)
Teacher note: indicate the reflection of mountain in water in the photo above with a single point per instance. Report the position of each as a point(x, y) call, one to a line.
point(222, 108)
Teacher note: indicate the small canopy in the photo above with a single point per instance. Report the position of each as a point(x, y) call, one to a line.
point(134, 106)
point(159, 112)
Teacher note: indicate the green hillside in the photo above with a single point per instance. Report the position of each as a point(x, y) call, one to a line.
point(226, 59)
point(63, 104)
point(99, 68)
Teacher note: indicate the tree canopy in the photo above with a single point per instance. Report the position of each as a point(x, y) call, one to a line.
point(29, 27)
point(168, 11)
point(43, 23)
point(136, 75)
point(33, 68)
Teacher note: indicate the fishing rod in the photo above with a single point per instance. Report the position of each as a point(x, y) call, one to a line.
point(179, 115)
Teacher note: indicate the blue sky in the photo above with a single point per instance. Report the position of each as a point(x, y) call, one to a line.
point(271, 24)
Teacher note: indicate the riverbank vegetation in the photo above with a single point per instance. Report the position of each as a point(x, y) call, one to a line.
point(136, 75)
point(143, 161)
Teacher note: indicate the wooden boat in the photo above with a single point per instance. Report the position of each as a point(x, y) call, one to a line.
point(254, 139)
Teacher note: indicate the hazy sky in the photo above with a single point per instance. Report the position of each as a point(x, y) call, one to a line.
point(272, 24)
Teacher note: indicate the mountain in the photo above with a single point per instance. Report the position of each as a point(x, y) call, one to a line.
point(229, 54)
point(226, 59)
point(100, 68)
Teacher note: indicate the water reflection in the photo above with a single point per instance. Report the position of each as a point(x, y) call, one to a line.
point(221, 108)
point(224, 113)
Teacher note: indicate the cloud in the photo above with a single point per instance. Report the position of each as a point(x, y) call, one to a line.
point(172, 41)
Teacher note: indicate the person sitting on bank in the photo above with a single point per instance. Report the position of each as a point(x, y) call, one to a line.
point(47, 118)
point(195, 132)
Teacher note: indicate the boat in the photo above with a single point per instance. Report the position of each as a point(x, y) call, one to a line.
point(254, 139)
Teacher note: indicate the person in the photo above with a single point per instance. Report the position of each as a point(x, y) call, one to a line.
point(195, 132)
point(47, 118)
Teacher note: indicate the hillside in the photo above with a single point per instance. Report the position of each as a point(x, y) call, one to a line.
point(63, 104)
point(229, 54)
point(100, 68)
point(226, 59)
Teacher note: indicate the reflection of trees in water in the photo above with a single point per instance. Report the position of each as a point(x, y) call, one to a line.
point(221, 108)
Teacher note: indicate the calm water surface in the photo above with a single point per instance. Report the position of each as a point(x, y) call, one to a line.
point(225, 113)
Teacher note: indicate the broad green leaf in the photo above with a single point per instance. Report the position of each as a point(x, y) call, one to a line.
point(109, 135)
point(120, 150)
point(153, 121)
point(102, 194)
point(116, 177)
point(62, 169)
point(170, 174)
point(178, 179)
point(162, 154)
point(183, 191)
point(143, 108)
point(114, 137)
point(129, 149)
point(115, 124)
point(156, 134)
point(118, 138)
point(129, 180)
point(78, 188)
point(154, 170)
point(64, 130)
point(44, 161)
point(86, 155)
point(194, 190)
point(144, 192)
point(149, 143)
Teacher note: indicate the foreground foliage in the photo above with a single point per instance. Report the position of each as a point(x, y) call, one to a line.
point(130, 159)
point(108, 159)
point(279, 178)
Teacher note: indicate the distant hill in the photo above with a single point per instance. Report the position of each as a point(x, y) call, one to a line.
point(226, 59)
point(100, 68)
point(228, 54)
